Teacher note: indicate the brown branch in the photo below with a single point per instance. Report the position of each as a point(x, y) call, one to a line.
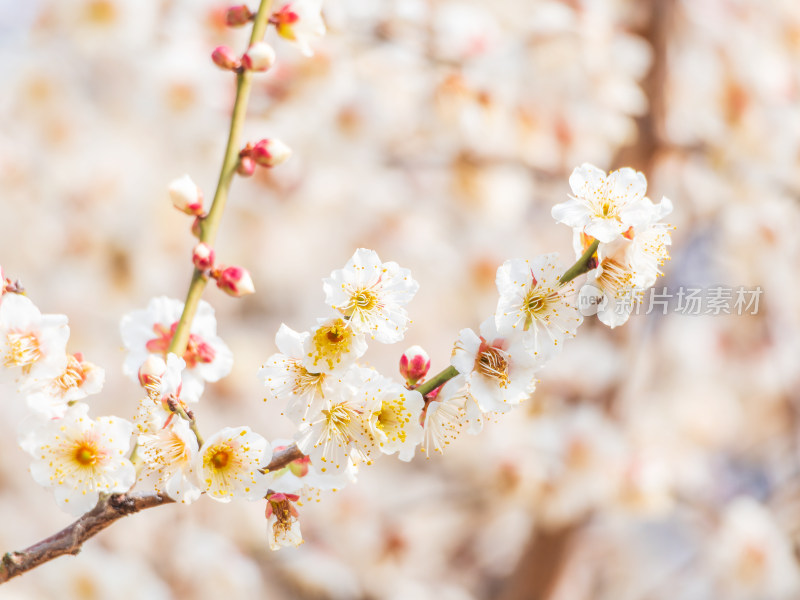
point(537, 574)
point(108, 510)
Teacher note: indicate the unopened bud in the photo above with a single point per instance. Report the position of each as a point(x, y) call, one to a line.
point(151, 371)
point(235, 281)
point(236, 16)
point(186, 196)
point(414, 364)
point(246, 166)
point(225, 58)
point(270, 153)
point(203, 256)
point(259, 57)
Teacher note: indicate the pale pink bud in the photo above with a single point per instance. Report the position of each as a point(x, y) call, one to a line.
point(203, 256)
point(239, 15)
point(151, 371)
point(246, 166)
point(414, 364)
point(225, 58)
point(186, 196)
point(259, 57)
point(235, 281)
point(270, 153)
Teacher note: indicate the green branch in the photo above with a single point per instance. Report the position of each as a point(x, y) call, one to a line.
point(210, 225)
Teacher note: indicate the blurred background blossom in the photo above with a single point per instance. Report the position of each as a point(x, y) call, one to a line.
point(657, 460)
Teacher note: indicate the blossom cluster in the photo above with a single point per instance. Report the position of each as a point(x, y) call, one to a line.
point(347, 414)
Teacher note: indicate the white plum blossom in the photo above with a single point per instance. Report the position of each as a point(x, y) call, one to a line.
point(149, 332)
point(396, 412)
point(300, 21)
point(228, 464)
point(499, 370)
point(341, 432)
point(649, 246)
point(32, 345)
point(81, 458)
point(170, 452)
point(77, 380)
point(372, 295)
point(535, 304)
point(613, 286)
point(445, 416)
point(288, 380)
point(333, 345)
point(163, 385)
point(604, 206)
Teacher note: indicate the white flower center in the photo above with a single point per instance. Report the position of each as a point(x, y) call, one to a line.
point(493, 363)
point(393, 418)
point(72, 377)
point(331, 342)
point(23, 350)
point(616, 278)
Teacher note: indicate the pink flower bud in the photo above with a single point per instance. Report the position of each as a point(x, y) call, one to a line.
point(246, 166)
point(225, 58)
point(186, 196)
point(151, 371)
point(239, 15)
point(235, 281)
point(203, 256)
point(414, 364)
point(270, 153)
point(259, 57)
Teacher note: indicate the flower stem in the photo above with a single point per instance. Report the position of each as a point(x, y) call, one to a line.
point(437, 380)
point(582, 265)
point(210, 224)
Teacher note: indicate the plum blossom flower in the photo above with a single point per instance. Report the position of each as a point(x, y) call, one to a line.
point(169, 452)
point(288, 380)
point(535, 304)
point(649, 246)
point(372, 295)
point(300, 21)
point(446, 415)
point(613, 287)
point(149, 332)
point(228, 464)
point(499, 370)
point(282, 521)
point(162, 379)
point(340, 433)
point(396, 411)
point(32, 345)
point(604, 206)
point(77, 380)
point(332, 345)
point(81, 458)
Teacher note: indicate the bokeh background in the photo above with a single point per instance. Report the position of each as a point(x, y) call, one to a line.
point(655, 461)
